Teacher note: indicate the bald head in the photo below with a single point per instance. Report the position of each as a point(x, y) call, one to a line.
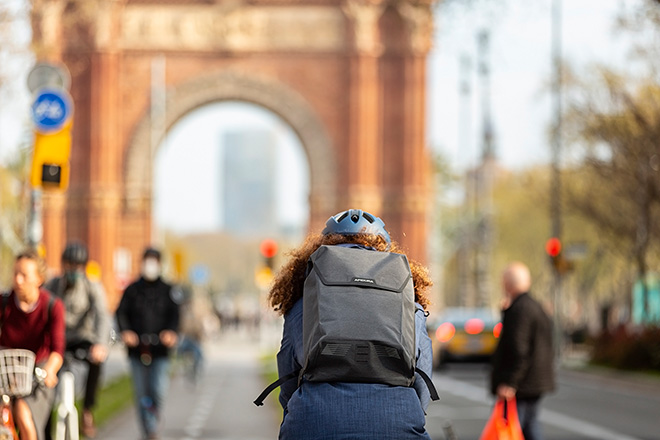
point(516, 279)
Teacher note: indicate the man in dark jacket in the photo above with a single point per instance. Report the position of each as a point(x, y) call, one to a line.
point(523, 363)
point(148, 318)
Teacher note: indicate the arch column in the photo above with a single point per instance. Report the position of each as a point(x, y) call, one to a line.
point(406, 165)
point(415, 193)
point(364, 156)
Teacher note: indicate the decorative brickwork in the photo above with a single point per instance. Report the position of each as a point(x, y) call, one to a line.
point(349, 76)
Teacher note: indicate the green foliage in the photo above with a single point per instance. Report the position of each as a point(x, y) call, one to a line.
point(115, 397)
point(612, 123)
point(522, 224)
point(13, 208)
point(270, 375)
point(522, 221)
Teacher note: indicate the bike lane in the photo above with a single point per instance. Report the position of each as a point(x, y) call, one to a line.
point(219, 406)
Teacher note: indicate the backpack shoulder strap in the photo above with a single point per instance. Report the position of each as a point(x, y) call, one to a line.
point(51, 303)
point(429, 384)
point(259, 401)
point(91, 300)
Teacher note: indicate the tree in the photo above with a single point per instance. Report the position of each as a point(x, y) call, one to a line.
point(14, 56)
point(615, 122)
point(13, 195)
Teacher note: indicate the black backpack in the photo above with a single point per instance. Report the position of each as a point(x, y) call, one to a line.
point(358, 320)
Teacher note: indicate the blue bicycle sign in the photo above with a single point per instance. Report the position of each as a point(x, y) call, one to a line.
point(51, 109)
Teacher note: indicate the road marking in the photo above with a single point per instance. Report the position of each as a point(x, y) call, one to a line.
point(584, 428)
point(463, 413)
point(200, 413)
point(479, 394)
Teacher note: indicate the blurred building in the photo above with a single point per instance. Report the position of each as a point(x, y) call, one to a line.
point(248, 187)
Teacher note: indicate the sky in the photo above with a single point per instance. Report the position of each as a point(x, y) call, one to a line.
point(520, 56)
point(193, 148)
point(521, 71)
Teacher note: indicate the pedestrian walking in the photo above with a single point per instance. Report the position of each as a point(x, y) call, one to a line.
point(148, 319)
point(523, 362)
point(195, 324)
point(354, 408)
point(88, 326)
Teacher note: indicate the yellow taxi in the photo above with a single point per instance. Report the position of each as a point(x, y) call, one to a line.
point(464, 333)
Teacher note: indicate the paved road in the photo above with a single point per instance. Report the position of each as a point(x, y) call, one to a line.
point(587, 406)
point(220, 405)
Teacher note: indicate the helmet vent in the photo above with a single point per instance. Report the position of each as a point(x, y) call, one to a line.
point(342, 217)
point(356, 221)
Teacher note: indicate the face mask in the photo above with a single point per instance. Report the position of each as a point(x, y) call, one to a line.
point(72, 276)
point(150, 269)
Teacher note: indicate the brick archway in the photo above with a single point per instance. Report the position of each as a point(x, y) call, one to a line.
point(225, 86)
point(349, 76)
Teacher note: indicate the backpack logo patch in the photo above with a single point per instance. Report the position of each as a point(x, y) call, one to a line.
point(364, 280)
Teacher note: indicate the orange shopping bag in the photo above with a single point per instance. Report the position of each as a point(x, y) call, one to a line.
point(500, 427)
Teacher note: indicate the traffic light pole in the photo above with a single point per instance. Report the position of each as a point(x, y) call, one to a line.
point(35, 223)
point(556, 176)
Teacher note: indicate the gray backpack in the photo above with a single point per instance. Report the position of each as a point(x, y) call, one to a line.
point(358, 319)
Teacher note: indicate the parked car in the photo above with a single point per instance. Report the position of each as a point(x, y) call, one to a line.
point(464, 333)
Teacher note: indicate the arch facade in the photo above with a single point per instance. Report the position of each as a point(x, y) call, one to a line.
point(349, 76)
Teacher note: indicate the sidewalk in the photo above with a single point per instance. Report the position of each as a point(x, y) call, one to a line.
point(218, 407)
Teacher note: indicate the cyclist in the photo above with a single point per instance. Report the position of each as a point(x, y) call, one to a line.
point(32, 319)
point(148, 318)
point(315, 410)
point(87, 325)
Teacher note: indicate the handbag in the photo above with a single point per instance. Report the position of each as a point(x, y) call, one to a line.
point(501, 425)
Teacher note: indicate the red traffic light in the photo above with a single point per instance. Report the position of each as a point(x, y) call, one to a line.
point(268, 248)
point(553, 246)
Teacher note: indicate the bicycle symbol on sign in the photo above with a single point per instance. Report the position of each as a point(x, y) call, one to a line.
point(51, 109)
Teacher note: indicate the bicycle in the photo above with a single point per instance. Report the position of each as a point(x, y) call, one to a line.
point(189, 359)
point(17, 378)
point(65, 414)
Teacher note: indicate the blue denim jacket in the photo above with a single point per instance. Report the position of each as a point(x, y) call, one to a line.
point(333, 411)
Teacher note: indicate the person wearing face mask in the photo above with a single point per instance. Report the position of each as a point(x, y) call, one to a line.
point(148, 320)
point(87, 326)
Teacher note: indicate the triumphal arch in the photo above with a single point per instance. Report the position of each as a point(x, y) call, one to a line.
point(349, 76)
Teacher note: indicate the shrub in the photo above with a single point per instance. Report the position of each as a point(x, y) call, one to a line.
point(629, 349)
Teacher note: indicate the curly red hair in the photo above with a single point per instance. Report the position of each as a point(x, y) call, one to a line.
point(288, 284)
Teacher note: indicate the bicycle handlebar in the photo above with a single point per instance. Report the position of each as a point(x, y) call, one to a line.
point(40, 375)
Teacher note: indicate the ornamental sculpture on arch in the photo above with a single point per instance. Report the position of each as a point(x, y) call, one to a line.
point(349, 77)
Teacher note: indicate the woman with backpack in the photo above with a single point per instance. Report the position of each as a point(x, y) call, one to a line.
point(359, 407)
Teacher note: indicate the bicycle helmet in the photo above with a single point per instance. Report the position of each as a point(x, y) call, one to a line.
point(356, 221)
point(75, 252)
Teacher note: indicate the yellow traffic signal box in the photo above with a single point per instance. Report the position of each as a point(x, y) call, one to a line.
point(50, 162)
